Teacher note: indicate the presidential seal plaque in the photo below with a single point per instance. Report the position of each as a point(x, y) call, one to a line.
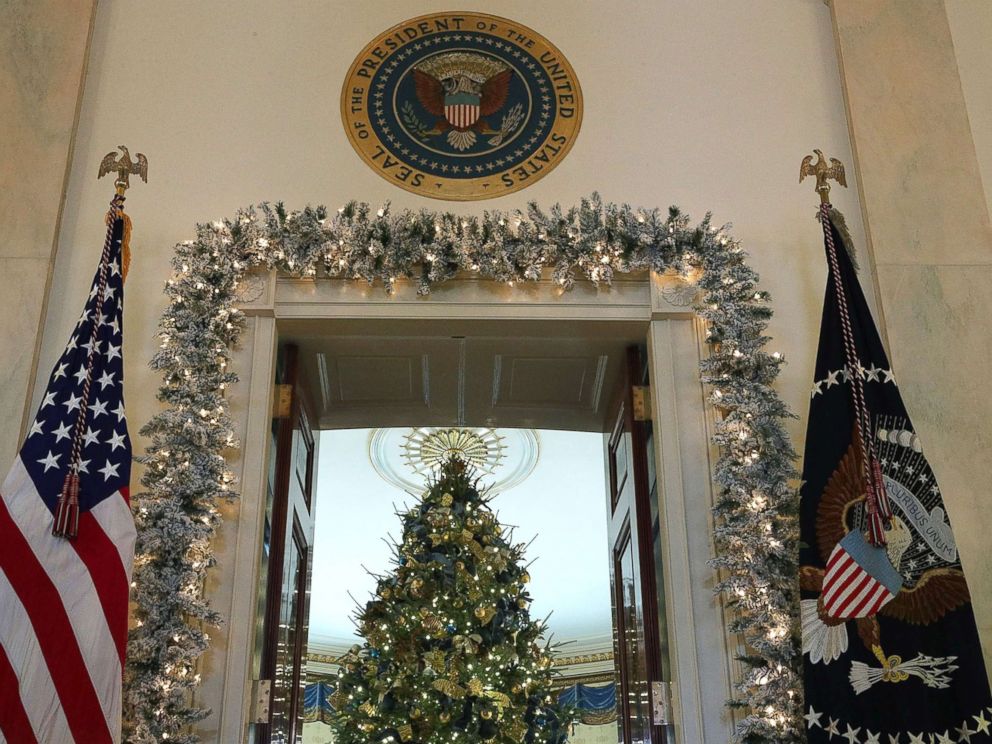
point(461, 106)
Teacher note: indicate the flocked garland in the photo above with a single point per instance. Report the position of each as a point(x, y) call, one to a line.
point(186, 475)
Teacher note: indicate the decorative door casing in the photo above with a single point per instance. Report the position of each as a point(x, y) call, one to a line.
point(702, 652)
point(288, 542)
point(638, 648)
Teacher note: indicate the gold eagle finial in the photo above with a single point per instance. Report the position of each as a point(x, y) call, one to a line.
point(822, 171)
point(124, 167)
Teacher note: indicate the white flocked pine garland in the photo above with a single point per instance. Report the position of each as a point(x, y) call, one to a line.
point(186, 476)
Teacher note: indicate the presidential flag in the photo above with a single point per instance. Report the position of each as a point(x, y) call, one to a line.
point(64, 597)
point(891, 651)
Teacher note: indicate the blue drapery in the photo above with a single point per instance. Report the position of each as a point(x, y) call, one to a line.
point(316, 702)
point(585, 697)
point(594, 705)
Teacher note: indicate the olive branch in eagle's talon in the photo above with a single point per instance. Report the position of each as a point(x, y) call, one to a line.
point(413, 123)
point(511, 121)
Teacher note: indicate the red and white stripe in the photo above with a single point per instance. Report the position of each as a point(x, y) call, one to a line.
point(462, 114)
point(63, 618)
point(850, 591)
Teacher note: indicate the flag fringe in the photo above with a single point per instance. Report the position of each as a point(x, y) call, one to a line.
point(840, 222)
point(125, 240)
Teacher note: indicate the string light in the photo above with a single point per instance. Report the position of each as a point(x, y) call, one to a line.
point(601, 239)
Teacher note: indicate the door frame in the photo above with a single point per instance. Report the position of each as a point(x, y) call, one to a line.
point(702, 650)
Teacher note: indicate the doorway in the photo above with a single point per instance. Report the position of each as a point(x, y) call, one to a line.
point(636, 308)
point(367, 399)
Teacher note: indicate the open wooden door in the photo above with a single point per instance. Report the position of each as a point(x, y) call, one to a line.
point(637, 645)
point(289, 540)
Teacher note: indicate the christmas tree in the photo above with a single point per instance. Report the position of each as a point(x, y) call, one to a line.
point(451, 653)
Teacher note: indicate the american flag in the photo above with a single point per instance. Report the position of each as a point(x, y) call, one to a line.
point(64, 602)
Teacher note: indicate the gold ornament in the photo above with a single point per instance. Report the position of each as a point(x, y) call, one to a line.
point(476, 549)
point(486, 713)
point(447, 499)
point(367, 708)
point(522, 603)
point(518, 730)
point(338, 699)
point(469, 644)
point(449, 688)
point(475, 686)
point(485, 614)
point(417, 587)
point(501, 699)
point(444, 716)
point(432, 623)
point(415, 713)
point(524, 577)
point(405, 731)
point(436, 659)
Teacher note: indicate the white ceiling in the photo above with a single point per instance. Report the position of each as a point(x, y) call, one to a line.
point(562, 502)
point(476, 373)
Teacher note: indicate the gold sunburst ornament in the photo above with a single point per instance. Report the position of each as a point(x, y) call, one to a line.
point(425, 450)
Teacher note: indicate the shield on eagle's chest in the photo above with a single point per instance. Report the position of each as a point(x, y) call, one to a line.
point(859, 579)
point(461, 110)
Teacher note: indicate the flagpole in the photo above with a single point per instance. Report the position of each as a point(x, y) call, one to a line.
point(876, 500)
point(66, 522)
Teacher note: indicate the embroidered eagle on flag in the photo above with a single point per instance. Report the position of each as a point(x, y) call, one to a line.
point(907, 580)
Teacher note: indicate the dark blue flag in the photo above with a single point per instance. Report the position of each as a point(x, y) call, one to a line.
point(890, 647)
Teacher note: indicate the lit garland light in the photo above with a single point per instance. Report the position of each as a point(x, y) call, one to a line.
point(185, 475)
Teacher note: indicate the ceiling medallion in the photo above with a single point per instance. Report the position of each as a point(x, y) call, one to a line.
point(461, 106)
point(407, 457)
point(426, 450)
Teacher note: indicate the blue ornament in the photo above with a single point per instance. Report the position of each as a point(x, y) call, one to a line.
point(451, 628)
point(374, 653)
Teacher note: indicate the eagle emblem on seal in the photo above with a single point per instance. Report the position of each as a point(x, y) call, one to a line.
point(462, 89)
point(915, 578)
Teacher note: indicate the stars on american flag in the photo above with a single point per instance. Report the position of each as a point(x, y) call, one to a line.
point(105, 452)
point(50, 460)
point(90, 437)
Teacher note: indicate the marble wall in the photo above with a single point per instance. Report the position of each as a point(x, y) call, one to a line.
point(927, 217)
point(971, 29)
point(43, 47)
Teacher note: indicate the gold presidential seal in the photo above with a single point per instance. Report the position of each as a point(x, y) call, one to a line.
point(461, 106)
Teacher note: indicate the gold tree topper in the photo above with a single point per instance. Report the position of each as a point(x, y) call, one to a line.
point(124, 167)
point(823, 172)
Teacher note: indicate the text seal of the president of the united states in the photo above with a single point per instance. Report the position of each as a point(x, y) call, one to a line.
point(461, 106)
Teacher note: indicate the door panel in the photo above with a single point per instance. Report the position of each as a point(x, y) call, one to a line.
point(289, 538)
point(635, 600)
